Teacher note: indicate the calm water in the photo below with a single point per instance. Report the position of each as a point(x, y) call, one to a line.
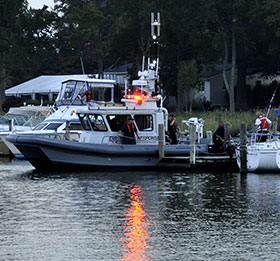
point(137, 215)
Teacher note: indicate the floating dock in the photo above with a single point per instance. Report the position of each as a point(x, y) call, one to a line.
point(222, 162)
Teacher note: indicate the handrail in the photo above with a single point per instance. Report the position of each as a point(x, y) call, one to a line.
point(263, 134)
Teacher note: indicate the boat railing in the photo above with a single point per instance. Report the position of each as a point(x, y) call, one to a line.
point(34, 121)
point(253, 137)
point(73, 136)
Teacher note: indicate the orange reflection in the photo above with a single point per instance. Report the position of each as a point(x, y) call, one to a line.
point(135, 228)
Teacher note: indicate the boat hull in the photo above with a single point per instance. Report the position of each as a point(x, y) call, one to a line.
point(46, 154)
point(262, 157)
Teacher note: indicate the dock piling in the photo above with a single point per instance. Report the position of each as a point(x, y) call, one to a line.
point(192, 144)
point(161, 141)
point(209, 136)
point(243, 148)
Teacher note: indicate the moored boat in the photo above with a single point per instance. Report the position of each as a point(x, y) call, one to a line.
point(262, 156)
point(20, 119)
point(70, 98)
point(102, 140)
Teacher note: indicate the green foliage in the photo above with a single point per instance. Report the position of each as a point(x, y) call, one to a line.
point(188, 82)
point(211, 119)
point(36, 42)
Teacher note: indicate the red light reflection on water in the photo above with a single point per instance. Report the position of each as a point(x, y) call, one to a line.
point(135, 228)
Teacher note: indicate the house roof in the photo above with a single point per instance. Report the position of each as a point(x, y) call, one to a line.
point(212, 70)
point(122, 69)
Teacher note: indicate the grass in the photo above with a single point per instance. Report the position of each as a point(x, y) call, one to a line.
point(211, 119)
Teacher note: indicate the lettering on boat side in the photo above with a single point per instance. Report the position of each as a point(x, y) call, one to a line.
point(142, 139)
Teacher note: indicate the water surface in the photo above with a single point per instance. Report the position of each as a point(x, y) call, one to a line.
point(137, 215)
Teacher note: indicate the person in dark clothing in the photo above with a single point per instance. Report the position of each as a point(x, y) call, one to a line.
point(128, 132)
point(219, 136)
point(172, 129)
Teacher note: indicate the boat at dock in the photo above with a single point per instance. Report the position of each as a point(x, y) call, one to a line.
point(20, 119)
point(64, 118)
point(101, 145)
point(261, 156)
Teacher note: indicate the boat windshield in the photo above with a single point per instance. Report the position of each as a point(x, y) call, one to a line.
point(22, 119)
point(93, 122)
point(80, 92)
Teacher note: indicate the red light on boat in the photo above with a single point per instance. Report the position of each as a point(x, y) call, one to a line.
point(137, 97)
point(74, 111)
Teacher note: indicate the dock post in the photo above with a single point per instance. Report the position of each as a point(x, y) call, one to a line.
point(67, 130)
point(220, 119)
point(160, 141)
point(243, 148)
point(192, 144)
point(209, 137)
point(227, 132)
point(11, 124)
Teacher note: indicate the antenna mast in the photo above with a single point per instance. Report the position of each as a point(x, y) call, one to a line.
point(155, 33)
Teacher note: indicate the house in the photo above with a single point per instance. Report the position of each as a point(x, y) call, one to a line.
point(213, 90)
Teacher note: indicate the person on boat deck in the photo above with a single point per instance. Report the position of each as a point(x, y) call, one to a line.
point(263, 124)
point(87, 93)
point(218, 137)
point(172, 129)
point(128, 132)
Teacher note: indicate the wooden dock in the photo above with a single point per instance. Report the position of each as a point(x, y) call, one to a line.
point(223, 162)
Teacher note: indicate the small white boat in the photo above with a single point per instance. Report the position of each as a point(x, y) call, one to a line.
point(262, 156)
point(20, 119)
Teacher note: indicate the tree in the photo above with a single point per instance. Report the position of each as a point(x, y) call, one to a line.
point(85, 29)
point(8, 33)
point(188, 82)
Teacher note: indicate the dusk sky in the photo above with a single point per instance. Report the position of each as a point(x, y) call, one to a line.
point(40, 3)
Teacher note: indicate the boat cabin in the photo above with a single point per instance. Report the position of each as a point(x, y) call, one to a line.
point(101, 124)
point(75, 91)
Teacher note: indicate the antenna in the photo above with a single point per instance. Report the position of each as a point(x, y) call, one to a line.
point(155, 26)
point(82, 64)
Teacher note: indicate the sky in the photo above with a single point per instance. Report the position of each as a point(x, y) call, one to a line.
point(39, 3)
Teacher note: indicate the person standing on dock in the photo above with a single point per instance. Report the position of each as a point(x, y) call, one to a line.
point(263, 124)
point(128, 132)
point(172, 129)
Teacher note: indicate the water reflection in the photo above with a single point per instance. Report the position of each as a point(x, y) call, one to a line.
point(135, 227)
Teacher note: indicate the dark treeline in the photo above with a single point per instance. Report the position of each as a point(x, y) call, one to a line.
point(105, 33)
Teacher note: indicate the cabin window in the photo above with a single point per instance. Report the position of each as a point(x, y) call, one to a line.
point(144, 122)
point(75, 126)
point(116, 121)
point(102, 94)
point(97, 123)
point(53, 126)
point(68, 93)
point(84, 121)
